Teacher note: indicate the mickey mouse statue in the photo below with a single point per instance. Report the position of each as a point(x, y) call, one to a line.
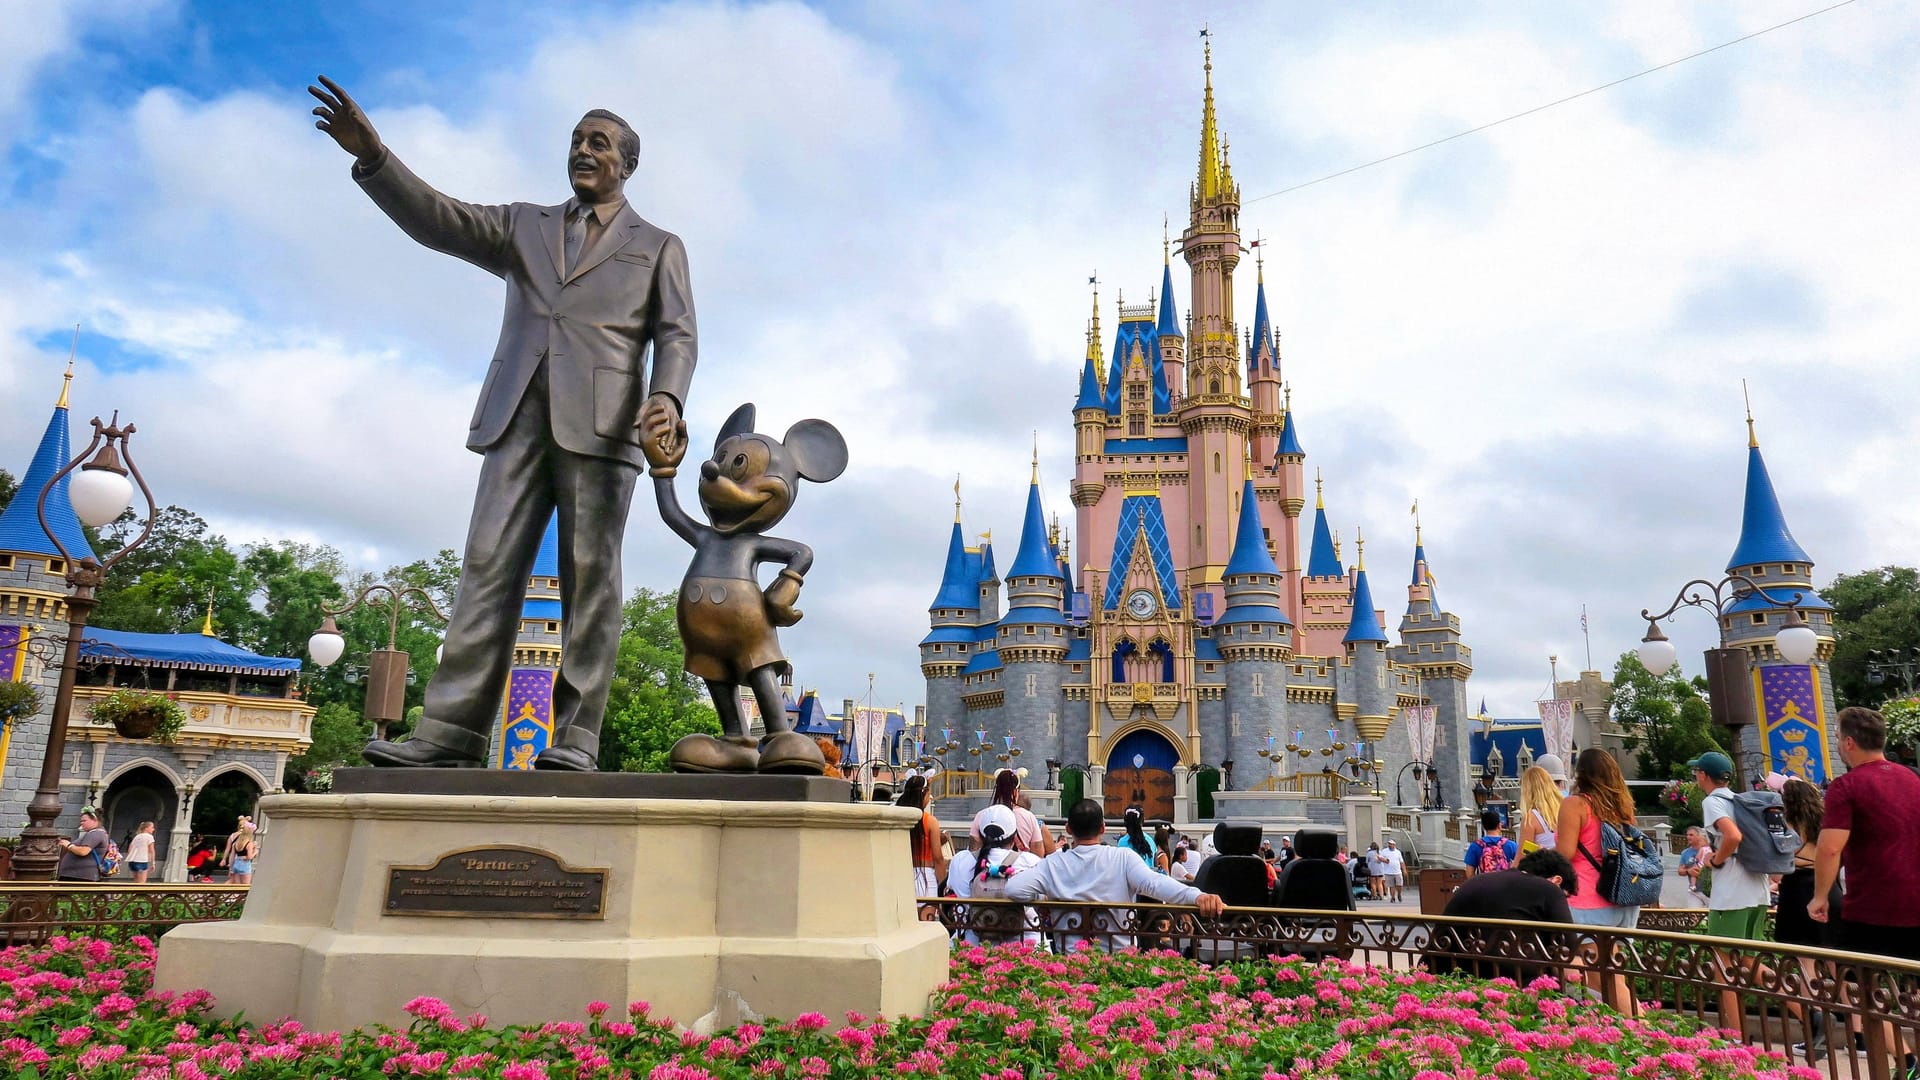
point(726, 620)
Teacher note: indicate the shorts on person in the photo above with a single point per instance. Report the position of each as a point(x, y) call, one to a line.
point(241, 866)
point(925, 882)
point(139, 867)
point(1394, 881)
point(1622, 918)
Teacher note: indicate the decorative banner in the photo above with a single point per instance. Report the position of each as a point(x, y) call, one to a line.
point(12, 659)
point(869, 735)
point(527, 725)
point(1203, 607)
point(1556, 725)
point(1423, 730)
point(1793, 721)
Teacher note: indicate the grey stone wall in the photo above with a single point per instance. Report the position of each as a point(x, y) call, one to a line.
point(1036, 722)
point(1257, 715)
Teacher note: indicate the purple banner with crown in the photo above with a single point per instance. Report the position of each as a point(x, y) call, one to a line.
point(527, 726)
point(10, 638)
point(1793, 721)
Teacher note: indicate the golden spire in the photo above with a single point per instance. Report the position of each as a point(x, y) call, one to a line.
point(1246, 453)
point(1093, 332)
point(68, 383)
point(1166, 244)
point(206, 626)
point(1359, 550)
point(1753, 439)
point(1416, 523)
point(1336, 545)
point(956, 498)
point(1320, 501)
point(1259, 259)
point(1226, 168)
point(1209, 136)
point(1036, 456)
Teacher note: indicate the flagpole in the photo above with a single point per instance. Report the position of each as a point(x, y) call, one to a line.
point(1587, 634)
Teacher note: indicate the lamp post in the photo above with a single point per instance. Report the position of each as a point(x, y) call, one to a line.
point(1882, 663)
point(100, 492)
point(1427, 780)
point(389, 670)
point(1727, 668)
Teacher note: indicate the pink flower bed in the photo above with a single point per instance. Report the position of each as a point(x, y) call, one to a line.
point(86, 1008)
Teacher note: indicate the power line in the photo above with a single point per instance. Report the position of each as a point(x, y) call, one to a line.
point(1551, 104)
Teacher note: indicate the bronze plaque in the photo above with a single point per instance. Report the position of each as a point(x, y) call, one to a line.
point(497, 883)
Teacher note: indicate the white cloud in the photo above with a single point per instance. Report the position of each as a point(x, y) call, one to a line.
point(890, 225)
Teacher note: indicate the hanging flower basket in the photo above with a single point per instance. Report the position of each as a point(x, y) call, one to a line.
point(137, 714)
point(18, 701)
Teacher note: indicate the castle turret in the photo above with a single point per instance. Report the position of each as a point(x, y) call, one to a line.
point(526, 720)
point(1324, 591)
point(33, 591)
point(1795, 701)
point(1173, 343)
point(1430, 646)
point(1290, 464)
point(1263, 374)
point(1255, 638)
point(1032, 638)
point(1366, 645)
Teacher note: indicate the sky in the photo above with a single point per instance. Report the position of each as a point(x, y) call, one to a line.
point(891, 212)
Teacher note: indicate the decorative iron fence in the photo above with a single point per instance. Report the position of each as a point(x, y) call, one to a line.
point(1849, 1015)
point(1315, 785)
point(33, 911)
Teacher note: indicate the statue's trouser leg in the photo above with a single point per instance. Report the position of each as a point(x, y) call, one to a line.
point(593, 495)
point(766, 692)
point(511, 507)
point(726, 703)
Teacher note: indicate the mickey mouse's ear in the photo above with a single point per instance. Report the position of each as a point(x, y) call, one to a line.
point(740, 423)
point(818, 451)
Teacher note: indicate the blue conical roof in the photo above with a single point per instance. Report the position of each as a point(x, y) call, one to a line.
point(1250, 554)
point(1321, 561)
point(1763, 528)
point(1365, 623)
point(1261, 326)
point(1419, 564)
point(547, 562)
point(1033, 559)
point(958, 588)
point(20, 522)
point(1169, 325)
point(1090, 397)
point(1289, 438)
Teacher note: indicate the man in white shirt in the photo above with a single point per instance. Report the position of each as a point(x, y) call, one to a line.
point(1395, 865)
point(1091, 871)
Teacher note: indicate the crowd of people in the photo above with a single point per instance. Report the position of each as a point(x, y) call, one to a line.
point(91, 856)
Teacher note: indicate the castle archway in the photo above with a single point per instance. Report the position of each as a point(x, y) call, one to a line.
point(143, 792)
point(1140, 773)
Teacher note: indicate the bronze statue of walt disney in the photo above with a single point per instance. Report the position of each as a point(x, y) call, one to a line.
point(727, 621)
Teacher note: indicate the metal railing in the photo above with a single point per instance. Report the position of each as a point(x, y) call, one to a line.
point(1860, 1014)
point(1316, 785)
point(33, 911)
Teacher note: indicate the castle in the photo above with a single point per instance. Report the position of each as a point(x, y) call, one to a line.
point(1192, 653)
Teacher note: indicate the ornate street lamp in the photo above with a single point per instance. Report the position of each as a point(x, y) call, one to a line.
point(388, 670)
point(100, 493)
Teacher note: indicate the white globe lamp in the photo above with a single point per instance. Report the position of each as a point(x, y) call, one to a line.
point(99, 493)
point(326, 644)
point(1656, 653)
point(1796, 640)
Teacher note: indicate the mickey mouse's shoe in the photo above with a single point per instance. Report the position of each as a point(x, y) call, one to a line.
point(565, 759)
point(791, 752)
point(706, 754)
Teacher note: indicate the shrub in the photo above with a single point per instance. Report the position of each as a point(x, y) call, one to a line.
point(127, 707)
point(18, 701)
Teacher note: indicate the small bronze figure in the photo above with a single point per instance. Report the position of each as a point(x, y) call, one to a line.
point(727, 621)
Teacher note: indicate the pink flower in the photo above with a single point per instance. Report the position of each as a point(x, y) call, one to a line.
point(428, 1008)
point(1512, 1066)
point(73, 1036)
point(597, 1009)
point(525, 1070)
point(810, 1021)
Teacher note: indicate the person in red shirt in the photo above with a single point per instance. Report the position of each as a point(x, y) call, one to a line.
point(1872, 827)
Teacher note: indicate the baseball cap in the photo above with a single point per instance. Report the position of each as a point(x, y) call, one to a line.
point(1714, 764)
point(997, 822)
point(1554, 766)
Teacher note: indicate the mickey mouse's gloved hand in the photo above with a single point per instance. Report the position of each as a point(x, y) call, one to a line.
point(664, 453)
point(780, 597)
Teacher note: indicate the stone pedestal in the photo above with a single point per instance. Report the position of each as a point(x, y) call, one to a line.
point(792, 906)
point(1365, 817)
point(1282, 808)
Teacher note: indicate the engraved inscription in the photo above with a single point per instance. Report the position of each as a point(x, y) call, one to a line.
point(497, 883)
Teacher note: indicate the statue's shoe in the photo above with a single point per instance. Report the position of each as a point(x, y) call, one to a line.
point(565, 759)
point(416, 754)
point(706, 754)
point(791, 752)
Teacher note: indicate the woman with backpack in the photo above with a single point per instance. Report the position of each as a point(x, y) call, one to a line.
point(1600, 798)
point(1002, 856)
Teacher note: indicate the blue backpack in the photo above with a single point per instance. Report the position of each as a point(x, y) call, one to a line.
point(1630, 867)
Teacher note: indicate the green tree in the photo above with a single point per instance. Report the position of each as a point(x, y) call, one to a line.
point(8, 486)
point(339, 734)
point(1873, 610)
point(653, 701)
point(1667, 719)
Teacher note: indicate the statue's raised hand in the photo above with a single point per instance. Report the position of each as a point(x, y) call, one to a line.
point(342, 118)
